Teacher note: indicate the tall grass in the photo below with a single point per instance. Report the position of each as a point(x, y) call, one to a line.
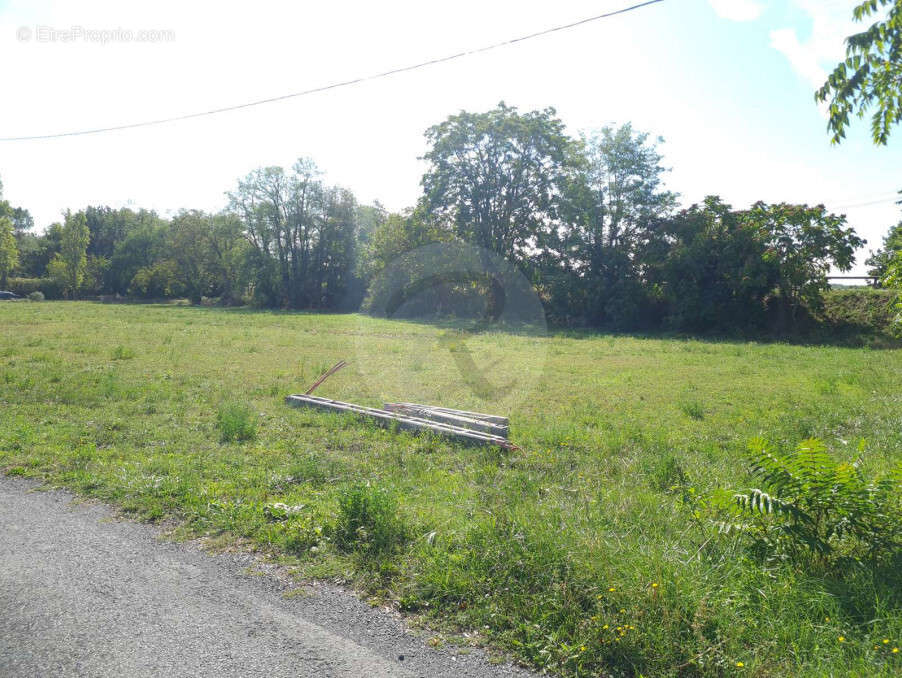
point(592, 550)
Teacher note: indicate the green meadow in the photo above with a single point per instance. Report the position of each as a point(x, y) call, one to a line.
point(592, 549)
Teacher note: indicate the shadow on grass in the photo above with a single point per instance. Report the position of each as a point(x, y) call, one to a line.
point(812, 332)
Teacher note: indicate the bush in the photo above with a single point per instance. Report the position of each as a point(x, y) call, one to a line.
point(236, 422)
point(812, 507)
point(25, 286)
point(37, 295)
point(123, 353)
point(368, 521)
point(863, 309)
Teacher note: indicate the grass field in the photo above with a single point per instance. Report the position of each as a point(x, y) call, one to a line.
point(587, 551)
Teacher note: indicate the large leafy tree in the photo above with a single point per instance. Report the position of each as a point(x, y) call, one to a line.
point(892, 279)
point(69, 266)
point(892, 247)
point(612, 206)
point(870, 77)
point(495, 178)
point(302, 234)
point(714, 272)
point(206, 253)
point(21, 223)
point(144, 244)
point(20, 218)
point(9, 252)
point(805, 243)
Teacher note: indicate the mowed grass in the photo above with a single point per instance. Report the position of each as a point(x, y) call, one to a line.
point(590, 550)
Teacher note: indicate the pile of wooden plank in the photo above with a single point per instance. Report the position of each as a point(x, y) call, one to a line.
point(472, 427)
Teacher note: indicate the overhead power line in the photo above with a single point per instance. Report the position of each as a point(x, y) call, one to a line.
point(336, 85)
point(878, 201)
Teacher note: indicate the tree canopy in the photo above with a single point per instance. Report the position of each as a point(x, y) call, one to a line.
point(870, 77)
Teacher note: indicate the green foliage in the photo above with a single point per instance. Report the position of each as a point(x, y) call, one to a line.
point(693, 409)
point(368, 521)
point(804, 243)
point(869, 75)
point(514, 548)
point(35, 296)
point(123, 353)
point(892, 245)
point(713, 269)
point(158, 281)
point(893, 280)
point(494, 178)
point(862, 312)
point(609, 211)
point(142, 246)
point(237, 422)
point(69, 265)
point(302, 235)
point(50, 288)
point(9, 251)
point(812, 506)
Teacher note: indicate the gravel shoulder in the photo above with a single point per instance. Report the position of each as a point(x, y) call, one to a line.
point(83, 593)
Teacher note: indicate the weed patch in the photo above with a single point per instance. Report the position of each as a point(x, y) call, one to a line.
point(236, 422)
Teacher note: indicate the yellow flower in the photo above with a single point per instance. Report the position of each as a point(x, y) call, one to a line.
point(622, 610)
point(654, 585)
point(886, 641)
point(605, 627)
point(740, 664)
point(895, 650)
point(842, 639)
point(582, 648)
point(612, 589)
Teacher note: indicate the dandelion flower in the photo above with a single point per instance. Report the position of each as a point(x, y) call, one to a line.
point(612, 589)
point(842, 639)
point(886, 641)
point(740, 664)
point(654, 585)
point(895, 650)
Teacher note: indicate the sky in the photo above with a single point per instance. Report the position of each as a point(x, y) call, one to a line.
point(728, 84)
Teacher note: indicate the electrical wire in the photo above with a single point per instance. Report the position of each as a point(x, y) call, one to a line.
point(335, 85)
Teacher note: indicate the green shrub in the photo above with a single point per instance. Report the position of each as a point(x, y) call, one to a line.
point(123, 353)
point(236, 422)
point(863, 309)
point(37, 295)
point(813, 507)
point(693, 409)
point(368, 521)
point(50, 288)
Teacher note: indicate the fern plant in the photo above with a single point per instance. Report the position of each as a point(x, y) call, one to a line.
point(809, 505)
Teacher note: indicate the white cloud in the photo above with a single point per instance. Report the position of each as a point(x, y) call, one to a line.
point(802, 57)
point(811, 58)
point(737, 10)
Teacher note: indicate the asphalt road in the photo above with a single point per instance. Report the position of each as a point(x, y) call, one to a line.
point(85, 594)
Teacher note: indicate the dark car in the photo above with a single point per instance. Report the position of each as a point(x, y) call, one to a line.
point(8, 295)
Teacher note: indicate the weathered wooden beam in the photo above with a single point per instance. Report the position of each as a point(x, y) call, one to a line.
point(446, 417)
point(386, 418)
point(493, 418)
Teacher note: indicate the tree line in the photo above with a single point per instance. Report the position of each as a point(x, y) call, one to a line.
point(587, 219)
